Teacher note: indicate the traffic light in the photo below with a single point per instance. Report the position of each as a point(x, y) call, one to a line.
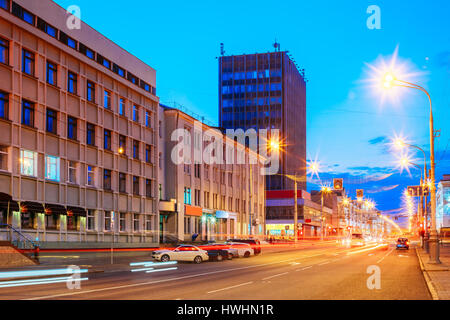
point(426, 190)
point(338, 184)
point(360, 193)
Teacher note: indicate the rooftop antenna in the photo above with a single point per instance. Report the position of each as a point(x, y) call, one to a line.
point(222, 50)
point(276, 45)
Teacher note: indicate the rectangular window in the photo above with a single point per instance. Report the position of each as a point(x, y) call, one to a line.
point(122, 144)
point(86, 51)
point(108, 220)
point(148, 119)
point(135, 149)
point(148, 153)
point(27, 113)
point(122, 222)
point(72, 82)
point(187, 196)
point(90, 134)
point(122, 182)
point(23, 14)
point(122, 106)
point(48, 29)
point(52, 168)
point(51, 73)
point(135, 114)
point(160, 191)
point(132, 78)
point(72, 128)
point(51, 121)
point(106, 63)
point(27, 62)
point(107, 99)
point(148, 188)
point(50, 221)
point(90, 226)
point(4, 158)
point(4, 4)
point(136, 222)
point(107, 140)
point(72, 174)
point(135, 185)
point(148, 223)
point(118, 70)
point(4, 105)
point(197, 198)
point(90, 91)
point(90, 176)
point(4, 51)
point(106, 179)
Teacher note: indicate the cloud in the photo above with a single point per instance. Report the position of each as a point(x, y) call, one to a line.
point(381, 189)
point(378, 140)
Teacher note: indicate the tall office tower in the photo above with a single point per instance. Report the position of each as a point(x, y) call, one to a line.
point(267, 91)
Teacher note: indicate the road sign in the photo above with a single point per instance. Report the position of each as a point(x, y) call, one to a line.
point(338, 184)
point(414, 191)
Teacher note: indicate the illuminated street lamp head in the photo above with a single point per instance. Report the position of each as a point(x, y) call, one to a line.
point(388, 80)
point(345, 201)
point(399, 143)
point(274, 144)
point(120, 150)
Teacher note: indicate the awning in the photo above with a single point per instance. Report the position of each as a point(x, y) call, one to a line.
point(192, 211)
point(76, 211)
point(7, 201)
point(54, 209)
point(31, 207)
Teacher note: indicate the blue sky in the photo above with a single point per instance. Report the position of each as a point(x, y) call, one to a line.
point(347, 126)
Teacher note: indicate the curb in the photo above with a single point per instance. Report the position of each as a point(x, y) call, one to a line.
point(427, 278)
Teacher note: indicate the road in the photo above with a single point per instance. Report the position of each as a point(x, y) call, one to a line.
point(316, 272)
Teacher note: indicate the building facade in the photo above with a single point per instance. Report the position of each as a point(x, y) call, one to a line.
point(443, 203)
point(212, 190)
point(78, 117)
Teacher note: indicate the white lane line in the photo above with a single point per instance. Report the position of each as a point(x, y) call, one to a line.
point(321, 264)
point(385, 255)
point(304, 268)
point(227, 288)
point(370, 254)
point(277, 275)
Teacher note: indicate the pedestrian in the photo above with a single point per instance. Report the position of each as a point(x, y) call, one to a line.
point(194, 237)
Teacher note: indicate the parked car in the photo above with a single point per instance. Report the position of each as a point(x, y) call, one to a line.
point(254, 243)
point(242, 249)
point(181, 253)
point(402, 243)
point(217, 252)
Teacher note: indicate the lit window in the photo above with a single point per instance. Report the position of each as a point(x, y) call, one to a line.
point(136, 222)
point(108, 220)
point(72, 172)
point(187, 196)
point(52, 168)
point(28, 163)
point(90, 176)
point(90, 220)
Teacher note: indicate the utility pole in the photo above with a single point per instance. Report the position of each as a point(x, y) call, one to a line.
point(295, 211)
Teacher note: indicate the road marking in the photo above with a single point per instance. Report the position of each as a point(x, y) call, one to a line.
point(227, 288)
point(370, 254)
point(294, 263)
point(321, 264)
point(277, 275)
point(304, 268)
point(385, 255)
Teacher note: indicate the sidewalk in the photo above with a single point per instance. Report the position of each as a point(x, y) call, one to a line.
point(436, 276)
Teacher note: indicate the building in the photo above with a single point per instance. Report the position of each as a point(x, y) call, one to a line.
point(78, 117)
point(203, 192)
point(267, 91)
point(443, 203)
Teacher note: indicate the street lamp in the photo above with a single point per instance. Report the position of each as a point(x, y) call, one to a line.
point(389, 81)
point(323, 190)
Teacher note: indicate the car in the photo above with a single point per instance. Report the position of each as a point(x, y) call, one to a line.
point(243, 249)
point(402, 243)
point(254, 243)
point(233, 252)
point(357, 240)
point(217, 253)
point(181, 253)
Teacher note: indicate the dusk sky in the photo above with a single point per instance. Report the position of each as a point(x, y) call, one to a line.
point(348, 123)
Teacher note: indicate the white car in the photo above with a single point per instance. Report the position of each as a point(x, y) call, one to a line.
point(243, 249)
point(181, 253)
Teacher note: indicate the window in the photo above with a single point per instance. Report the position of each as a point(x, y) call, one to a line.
point(148, 223)
point(4, 158)
point(135, 114)
point(48, 29)
point(52, 168)
point(27, 113)
point(72, 82)
point(51, 122)
point(4, 105)
point(215, 205)
point(187, 168)
point(187, 196)
point(86, 51)
point(206, 171)
point(197, 170)
point(106, 63)
point(90, 220)
point(90, 91)
point(132, 78)
point(107, 99)
point(148, 119)
point(4, 51)
point(64, 38)
point(118, 70)
point(4, 4)
point(107, 179)
point(71, 128)
point(160, 160)
point(51, 73)
point(107, 140)
point(148, 188)
point(122, 182)
point(122, 106)
point(90, 176)
point(90, 134)
point(187, 225)
point(28, 163)
point(51, 221)
point(135, 185)
point(206, 199)
point(122, 222)
point(108, 220)
point(72, 172)
point(122, 144)
point(27, 62)
point(136, 222)
point(160, 191)
point(197, 198)
point(23, 14)
point(148, 153)
point(237, 205)
point(135, 149)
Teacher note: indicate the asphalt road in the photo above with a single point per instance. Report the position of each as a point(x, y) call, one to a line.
point(316, 272)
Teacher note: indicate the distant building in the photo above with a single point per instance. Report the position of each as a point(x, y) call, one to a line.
point(443, 203)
